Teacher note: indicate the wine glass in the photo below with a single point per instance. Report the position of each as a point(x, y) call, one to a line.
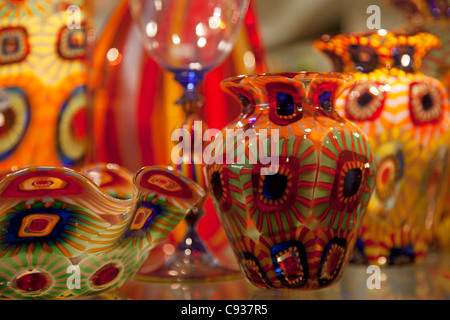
point(189, 38)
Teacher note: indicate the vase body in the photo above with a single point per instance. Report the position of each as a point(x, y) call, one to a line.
point(433, 17)
point(43, 80)
point(292, 220)
point(405, 115)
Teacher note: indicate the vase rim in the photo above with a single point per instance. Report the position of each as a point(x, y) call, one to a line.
point(382, 33)
point(380, 49)
point(294, 75)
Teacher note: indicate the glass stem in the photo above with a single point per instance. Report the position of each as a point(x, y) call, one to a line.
point(190, 101)
point(192, 241)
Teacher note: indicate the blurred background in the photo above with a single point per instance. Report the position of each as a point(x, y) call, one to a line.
point(287, 27)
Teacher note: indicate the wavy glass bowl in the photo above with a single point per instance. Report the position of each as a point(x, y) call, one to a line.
point(64, 235)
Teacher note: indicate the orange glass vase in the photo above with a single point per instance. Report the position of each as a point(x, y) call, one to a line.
point(433, 17)
point(292, 210)
point(43, 83)
point(405, 115)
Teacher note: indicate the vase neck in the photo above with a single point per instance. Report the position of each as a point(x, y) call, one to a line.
point(288, 97)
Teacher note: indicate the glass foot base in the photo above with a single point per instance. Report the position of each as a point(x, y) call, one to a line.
point(193, 267)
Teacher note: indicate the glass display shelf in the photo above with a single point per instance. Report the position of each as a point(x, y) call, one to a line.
point(429, 280)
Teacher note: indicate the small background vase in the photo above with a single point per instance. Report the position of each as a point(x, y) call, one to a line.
point(44, 110)
point(294, 228)
point(433, 17)
point(405, 115)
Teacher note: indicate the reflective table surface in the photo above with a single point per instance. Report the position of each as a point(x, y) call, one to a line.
point(429, 280)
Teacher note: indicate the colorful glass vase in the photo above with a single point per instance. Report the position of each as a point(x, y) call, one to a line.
point(64, 236)
point(292, 221)
point(43, 78)
point(405, 115)
point(433, 17)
